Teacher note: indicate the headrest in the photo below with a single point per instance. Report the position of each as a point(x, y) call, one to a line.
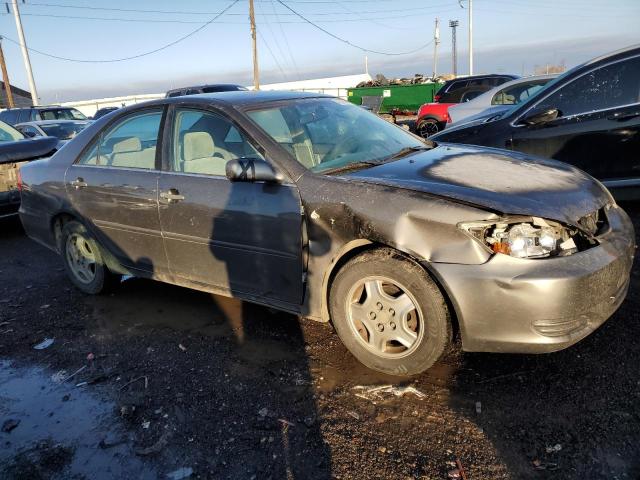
point(197, 145)
point(129, 145)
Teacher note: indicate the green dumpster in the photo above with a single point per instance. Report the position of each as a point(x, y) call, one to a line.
point(396, 97)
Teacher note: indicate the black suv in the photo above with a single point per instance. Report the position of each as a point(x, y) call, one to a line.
point(588, 117)
point(453, 90)
point(213, 88)
point(14, 116)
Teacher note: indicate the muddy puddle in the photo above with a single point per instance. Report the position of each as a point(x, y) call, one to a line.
point(55, 430)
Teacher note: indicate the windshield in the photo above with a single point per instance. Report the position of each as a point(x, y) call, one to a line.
point(62, 114)
point(9, 134)
point(63, 131)
point(325, 134)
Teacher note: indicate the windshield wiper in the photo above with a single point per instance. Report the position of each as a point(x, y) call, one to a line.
point(406, 151)
point(351, 166)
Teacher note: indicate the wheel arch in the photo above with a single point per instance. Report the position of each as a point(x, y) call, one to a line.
point(58, 221)
point(356, 247)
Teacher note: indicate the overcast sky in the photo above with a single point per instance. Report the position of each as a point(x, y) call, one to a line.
point(509, 36)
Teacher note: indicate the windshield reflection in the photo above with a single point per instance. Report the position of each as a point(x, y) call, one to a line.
point(327, 135)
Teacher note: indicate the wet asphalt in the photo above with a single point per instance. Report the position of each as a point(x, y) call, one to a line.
point(157, 381)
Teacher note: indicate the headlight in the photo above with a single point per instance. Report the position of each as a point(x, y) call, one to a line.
point(530, 237)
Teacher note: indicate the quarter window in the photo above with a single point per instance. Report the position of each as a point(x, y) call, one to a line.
point(204, 142)
point(131, 143)
point(610, 86)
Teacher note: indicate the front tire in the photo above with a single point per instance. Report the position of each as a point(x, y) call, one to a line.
point(389, 313)
point(83, 260)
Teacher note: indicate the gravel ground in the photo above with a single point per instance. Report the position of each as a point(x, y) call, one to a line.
point(180, 382)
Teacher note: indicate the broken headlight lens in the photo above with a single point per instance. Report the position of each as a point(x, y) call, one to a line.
point(526, 238)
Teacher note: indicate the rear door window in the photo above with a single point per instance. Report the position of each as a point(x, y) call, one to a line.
point(606, 87)
point(23, 116)
point(131, 143)
point(9, 116)
point(457, 85)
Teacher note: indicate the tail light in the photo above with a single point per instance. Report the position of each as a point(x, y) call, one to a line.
point(19, 180)
point(437, 98)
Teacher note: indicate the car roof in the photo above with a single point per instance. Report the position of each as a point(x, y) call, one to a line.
point(488, 75)
point(240, 98)
point(622, 53)
point(49, 122)
point(206, 85)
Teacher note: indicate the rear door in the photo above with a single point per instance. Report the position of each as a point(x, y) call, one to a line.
point(598, 127)
point(114, 186)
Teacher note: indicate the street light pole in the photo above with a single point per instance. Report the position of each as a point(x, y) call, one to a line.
point(454, 49)
point(25, 53)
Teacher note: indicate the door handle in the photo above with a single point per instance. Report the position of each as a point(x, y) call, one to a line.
point(172, 196)
point(79, 183)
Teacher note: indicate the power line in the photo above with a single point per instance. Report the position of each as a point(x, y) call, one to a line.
point(284, 37)
point(184, 12)
point(347, 41)
point(196, 22)
point(264, 41)
point(184, 37)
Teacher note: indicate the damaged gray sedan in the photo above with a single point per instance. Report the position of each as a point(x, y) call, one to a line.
point(311, 205)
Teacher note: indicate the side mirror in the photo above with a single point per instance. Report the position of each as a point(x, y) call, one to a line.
point(538, 117)
point(251, 170)
point(30, 134)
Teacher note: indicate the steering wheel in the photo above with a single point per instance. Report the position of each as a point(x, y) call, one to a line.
point(347, 145)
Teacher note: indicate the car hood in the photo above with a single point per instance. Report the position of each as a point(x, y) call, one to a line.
point(498, 180)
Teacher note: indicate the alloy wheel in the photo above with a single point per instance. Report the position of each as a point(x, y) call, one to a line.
point(385, 317)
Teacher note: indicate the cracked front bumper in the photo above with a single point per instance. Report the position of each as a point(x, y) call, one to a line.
point(541, 305)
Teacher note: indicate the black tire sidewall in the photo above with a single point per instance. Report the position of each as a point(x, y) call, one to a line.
point(431, 303)
point(102, 273)
point(421, 123)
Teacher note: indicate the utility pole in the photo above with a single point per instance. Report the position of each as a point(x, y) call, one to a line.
point(436, 41)
point(454, 53)
point(25, 53)
point(5, 79)
point(470, 37)
point(252, 19)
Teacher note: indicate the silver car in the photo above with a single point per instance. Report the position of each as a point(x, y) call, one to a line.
point(314, 206)
point(498, 99)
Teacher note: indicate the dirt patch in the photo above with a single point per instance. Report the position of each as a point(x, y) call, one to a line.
point(232, 390)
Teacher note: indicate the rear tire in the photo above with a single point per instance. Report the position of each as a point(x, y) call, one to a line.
point(389, 313)
point(427, 127)
point(83, 260)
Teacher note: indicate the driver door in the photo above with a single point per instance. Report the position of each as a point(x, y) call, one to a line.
point(241, 237)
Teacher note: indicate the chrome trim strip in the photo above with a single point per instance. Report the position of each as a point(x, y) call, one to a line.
point(623, 182)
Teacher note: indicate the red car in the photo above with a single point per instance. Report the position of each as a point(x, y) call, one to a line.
point(432, 117)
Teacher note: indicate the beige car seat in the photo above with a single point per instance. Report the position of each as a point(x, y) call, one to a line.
point(200, 154)
point(129, 153)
